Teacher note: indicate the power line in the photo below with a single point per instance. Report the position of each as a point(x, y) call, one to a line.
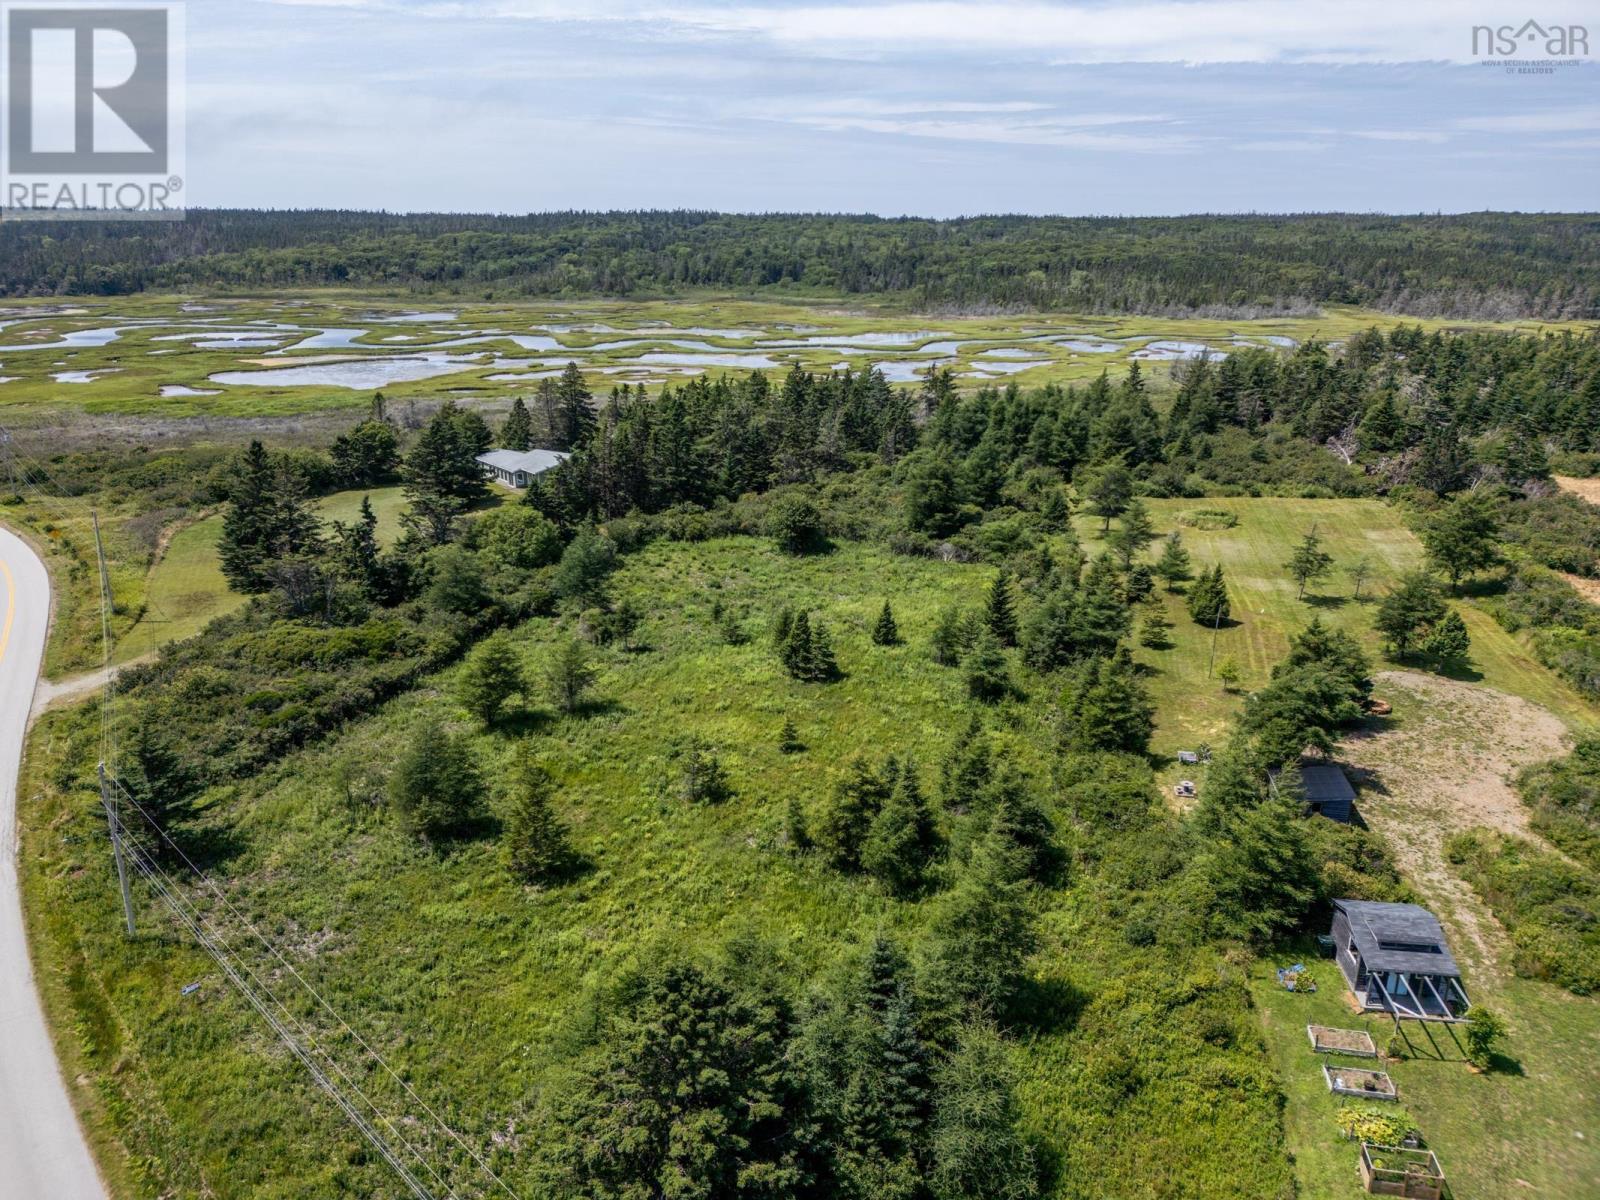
point(128, 849)
point(317, 996)
point(196, 924)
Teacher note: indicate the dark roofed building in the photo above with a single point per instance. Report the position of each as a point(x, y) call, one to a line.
point(1395, 959)
point(1327, 790)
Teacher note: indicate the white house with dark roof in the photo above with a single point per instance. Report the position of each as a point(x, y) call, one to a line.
point(519, 468)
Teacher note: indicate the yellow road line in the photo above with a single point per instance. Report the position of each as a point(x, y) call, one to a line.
point(11, 608)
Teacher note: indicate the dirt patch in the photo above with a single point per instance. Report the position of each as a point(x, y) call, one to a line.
point(1589, 489)
point(1589, 589)
point(1444, 763)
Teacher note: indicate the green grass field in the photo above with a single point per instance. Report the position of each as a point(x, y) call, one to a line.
point(1194, 708)
point(477, 987)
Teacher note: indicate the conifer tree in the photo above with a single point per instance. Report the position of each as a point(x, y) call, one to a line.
point(987, 673)
point(1110, 492)
point(966, 773)
point(1309, 562)
point(789, 739)
point(1208, 598)
point(575, 419)
point(847, 818)
point(267, 519)
point(435, 787)
point(517, 432)
point(1055, 513)
point(1155, 630)
point(903, 840)
point(489, 677)
point(1135, 532)
point(536, 843)
point(442, 475)
point(949, 643)
point(1173, 566)
point(568, 674)
point(885, 632)
point(1000, 613)
point(983, 930)
point(356, 554)
point(979, 1150)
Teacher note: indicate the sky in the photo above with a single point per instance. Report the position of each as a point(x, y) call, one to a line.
point(902, 107)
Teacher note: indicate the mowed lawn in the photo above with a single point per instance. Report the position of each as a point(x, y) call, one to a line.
point(185, 588)
point(1194, 708)
point(1529, 1128)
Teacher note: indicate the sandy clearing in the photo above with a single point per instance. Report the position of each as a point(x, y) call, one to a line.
point(1588, 489)
point(1444, 763)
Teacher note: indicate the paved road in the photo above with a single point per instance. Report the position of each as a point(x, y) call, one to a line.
point(42, 1151)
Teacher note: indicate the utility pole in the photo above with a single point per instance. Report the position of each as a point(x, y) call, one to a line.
point(107, 801)
point(1215, 625)
point(110, 806)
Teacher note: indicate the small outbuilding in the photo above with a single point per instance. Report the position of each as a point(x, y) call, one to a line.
point(1326, 789)
point(519, 468)
point(1395, 960)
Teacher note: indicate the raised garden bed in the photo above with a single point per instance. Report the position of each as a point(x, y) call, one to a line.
point(1357, 1081)
point(1327, 1040)
point(1397, 1171)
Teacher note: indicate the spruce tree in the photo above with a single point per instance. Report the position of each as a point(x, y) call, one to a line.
point(1155, 630)
point(489, 677)
point(693, 1094)
point(1448, 641)
point(903, 840)
point(1000, 612)
point(575, 420)
point(987, 673)
point(885, 632)
point(517, 432)
point(1135, 532)
point(1208, 598)
point(356, 553)
point(568, 674)
point(948, 642)
point(442, 475)
point(1056, 512)
point(967, 771)
point(267, 519)
point(1106, 707)
point(983, 930)
point(847, 818)
point(1173, 566)
point(1110, 493)
point(789, 739)
point(435, 787)
point(537, 847)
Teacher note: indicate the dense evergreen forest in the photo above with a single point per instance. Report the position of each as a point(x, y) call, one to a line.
point(1486, 265)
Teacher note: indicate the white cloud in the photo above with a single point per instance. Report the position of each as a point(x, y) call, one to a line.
point(1190, 31)
point(1571, 120)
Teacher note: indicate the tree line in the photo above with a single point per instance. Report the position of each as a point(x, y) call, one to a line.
point(1484, 265)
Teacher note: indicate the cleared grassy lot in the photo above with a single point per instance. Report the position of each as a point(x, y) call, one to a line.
point(185, 589)
point(1195, 708)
